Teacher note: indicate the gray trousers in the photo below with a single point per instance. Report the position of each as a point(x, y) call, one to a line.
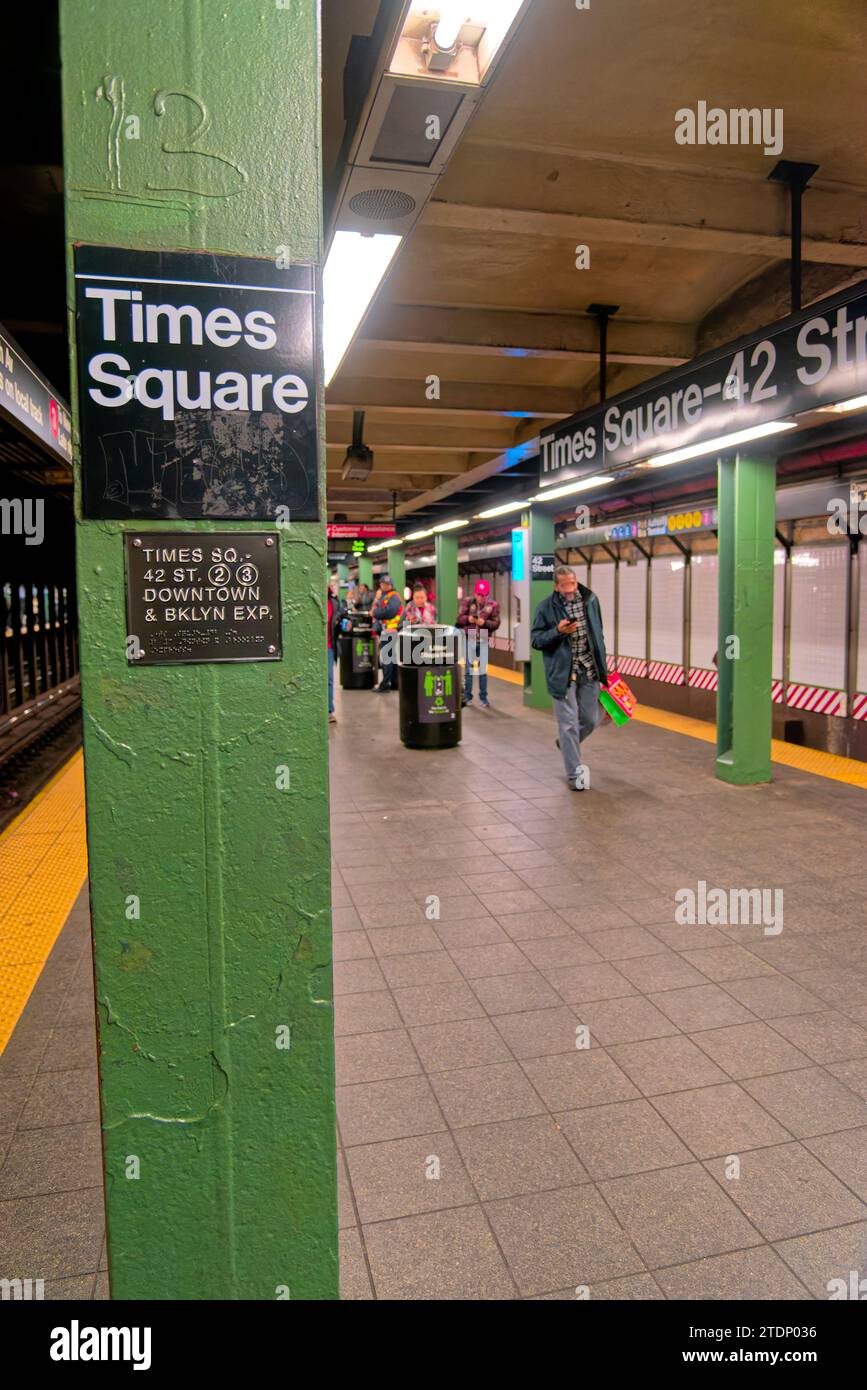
point(577, 715)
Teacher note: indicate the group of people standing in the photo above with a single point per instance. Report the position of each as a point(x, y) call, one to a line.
point(567, 630)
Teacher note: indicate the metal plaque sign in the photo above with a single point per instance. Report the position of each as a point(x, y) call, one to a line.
point(196, 598)
point(815, 358)
point(542, 567)
point(438, 694)
point(197, 386)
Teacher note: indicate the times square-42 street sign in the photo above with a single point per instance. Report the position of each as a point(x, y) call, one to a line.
point(814, 358)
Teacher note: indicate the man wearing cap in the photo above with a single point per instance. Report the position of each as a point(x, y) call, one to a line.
point(480, 614)
point(567, 630)
point(386, 613)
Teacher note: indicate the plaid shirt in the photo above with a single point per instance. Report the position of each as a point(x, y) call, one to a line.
point(582, 657)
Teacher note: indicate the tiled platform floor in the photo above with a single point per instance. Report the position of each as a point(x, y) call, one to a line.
point(483, 913)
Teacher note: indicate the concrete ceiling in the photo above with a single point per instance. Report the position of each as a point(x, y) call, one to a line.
point(574, 145)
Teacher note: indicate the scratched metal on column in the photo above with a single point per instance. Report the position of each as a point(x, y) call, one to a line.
point(235, 1137)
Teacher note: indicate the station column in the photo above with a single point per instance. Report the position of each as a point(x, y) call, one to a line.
point(447, 577)
point(365, 570)
point(192, 177)
point(396, 563)
point(540, 542)
point(747, 510)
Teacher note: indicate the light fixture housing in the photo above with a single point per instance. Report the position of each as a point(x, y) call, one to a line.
point(503, 509)
point(841, 407)
point(478, 30)
point(450, 525)
point(721, 443)
point(550, 493)
point(417, 535)
point(354, 271)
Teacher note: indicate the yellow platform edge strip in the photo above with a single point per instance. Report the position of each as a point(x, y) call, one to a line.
point(812, 760)
point(39, 886)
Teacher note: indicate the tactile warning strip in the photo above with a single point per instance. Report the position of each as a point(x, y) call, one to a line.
point(43, 863)
point(849, 770)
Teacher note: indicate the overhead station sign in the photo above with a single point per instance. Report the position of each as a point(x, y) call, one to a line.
point(28, 400)
point(812, 359)
point(197, 386)
point(364, 531)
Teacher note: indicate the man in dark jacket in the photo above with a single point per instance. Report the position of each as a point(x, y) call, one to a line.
point(567, 630)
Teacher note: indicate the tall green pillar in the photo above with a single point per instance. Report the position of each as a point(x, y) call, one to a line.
point(396, 562)
point(747, 509)
point(541, 543)
point(365, 570)
point(447, 577)
point(196, 126)
point(342, 578)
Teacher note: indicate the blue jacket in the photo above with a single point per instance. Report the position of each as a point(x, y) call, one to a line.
point(556, 648)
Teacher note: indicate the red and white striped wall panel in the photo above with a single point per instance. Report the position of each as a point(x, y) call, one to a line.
point(859, 707)
point(631, 666)
point(703, 680)
point(666, 672)
point(815, 699)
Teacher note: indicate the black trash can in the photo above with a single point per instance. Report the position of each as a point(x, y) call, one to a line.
point(429, 683)
point(357, 653)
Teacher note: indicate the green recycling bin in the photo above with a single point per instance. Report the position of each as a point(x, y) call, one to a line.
point(357, 653)
point(429, 686)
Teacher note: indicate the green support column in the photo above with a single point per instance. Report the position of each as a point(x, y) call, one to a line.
point(747, 509)
point(207, 790)
point(342, 578)
point(447, 577)
point(541, 543)
point(396, 562)
point(365, 570)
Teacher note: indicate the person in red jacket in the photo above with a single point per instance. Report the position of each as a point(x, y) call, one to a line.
point(479, 614)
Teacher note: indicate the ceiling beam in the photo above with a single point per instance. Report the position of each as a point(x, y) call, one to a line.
point(596, 231)
point(509, 333)
point(458, 398)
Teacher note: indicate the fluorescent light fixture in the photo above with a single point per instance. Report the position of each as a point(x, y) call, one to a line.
point(501, 511)
point(548, 492)
point(353, 273)
point(482, 26)
point(839, 407)
point(451, 22)
point(722, 441)
point(417, 535)
point(450, 525)
point(372, 549)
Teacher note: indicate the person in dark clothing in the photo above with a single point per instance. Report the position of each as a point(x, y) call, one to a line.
point(478, 615)
point(333, 620)
point(387, 612)
point(567, 630)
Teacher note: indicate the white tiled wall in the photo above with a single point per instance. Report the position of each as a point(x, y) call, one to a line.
point(603, 588)
point(703, 634)
point(818, 650)
point(633, 606)
point(666, 599)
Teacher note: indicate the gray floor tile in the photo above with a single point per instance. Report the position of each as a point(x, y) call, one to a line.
point(727, 963)
point(394, 1109)
point(582, 984)
point(375, 1056)
point(573, 1080)
point(622, 943)
point(475, 962)
point(773, 996)
point(678, 1214)
point(750, 1049)
point(757, 1273)
point(701, 1006)
point(62, 1158)
point(719, 1120)
point(357, 976)
point(471, 1042)
point(515, 1157)
point(373, 1012)
point(809, 1102)
point(404, 1177)
point(629, 1137)
point(846, 1156)
point(664, 971)
point(354, 1279)
point(507, 994)
point(539, 1032)
point(825, 1262)
point(785, 1191)
point(425, 968)
point(52, 1236)
point(485, 1094)
point(441, 1255)
point(551, 1239)
point(420, 1004)
point(625, 1020)
point(828, 1036)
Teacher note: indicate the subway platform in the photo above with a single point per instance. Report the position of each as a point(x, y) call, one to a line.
point(548, 1086)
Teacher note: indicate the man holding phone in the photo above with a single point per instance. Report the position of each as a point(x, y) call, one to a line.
point(567, 630)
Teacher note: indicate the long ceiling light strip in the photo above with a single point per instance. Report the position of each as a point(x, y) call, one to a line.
point(354, 271)
point(721, 443)
point(549, 493)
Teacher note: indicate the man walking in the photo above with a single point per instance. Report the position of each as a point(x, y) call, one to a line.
point(567, 630)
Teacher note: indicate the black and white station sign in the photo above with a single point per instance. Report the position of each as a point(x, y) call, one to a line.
point(197, 386)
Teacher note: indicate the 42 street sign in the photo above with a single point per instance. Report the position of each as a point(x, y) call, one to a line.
point(811, 359)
